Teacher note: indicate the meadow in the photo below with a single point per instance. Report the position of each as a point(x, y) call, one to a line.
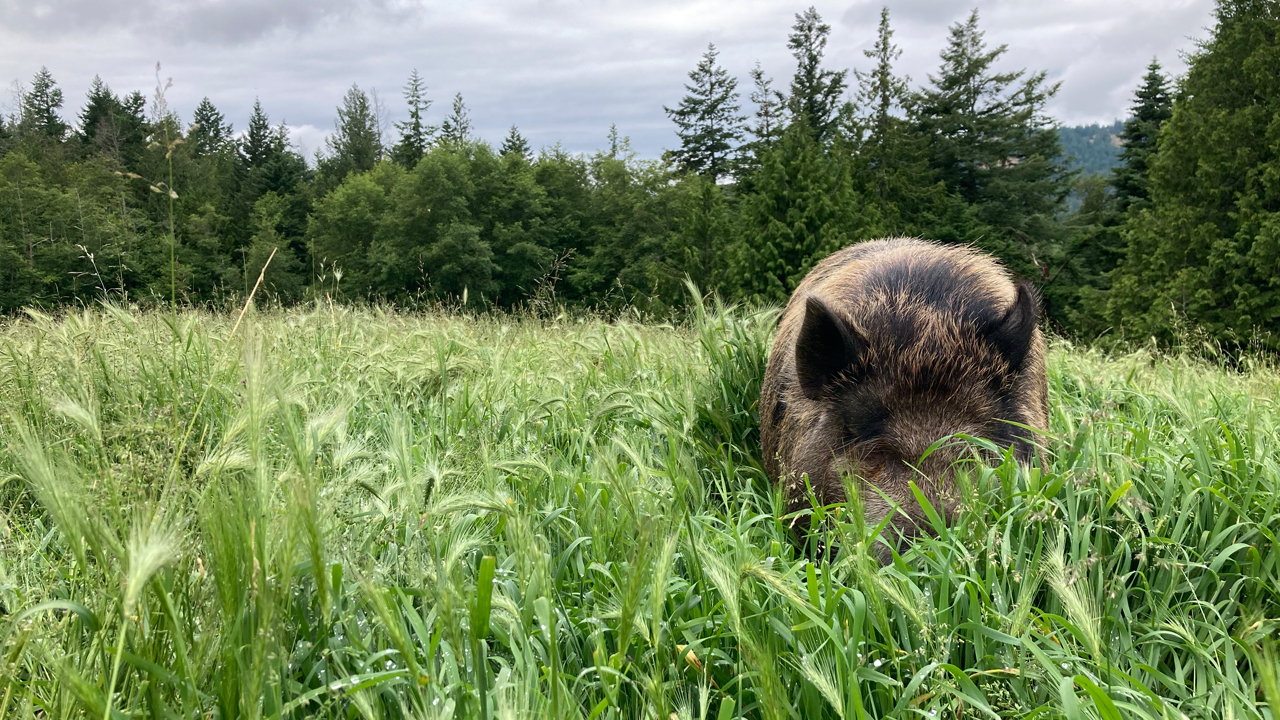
point(336, 512)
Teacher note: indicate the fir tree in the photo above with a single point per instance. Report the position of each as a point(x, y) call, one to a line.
point(991, 143)
point(816, 92)
point(258, 143)
point(101, 110)
point(707, 119)
point(1205, 246)
point(881, 90)
point(415, 134)
point(515, 144)
point(355, 145)
point(133, 127)
point(209, 132)
point(769, 104)
point(40, 106)
point(1151, 108)
point(1097, 244)
point(803, 207)
point(765, 130)
point(455, 131)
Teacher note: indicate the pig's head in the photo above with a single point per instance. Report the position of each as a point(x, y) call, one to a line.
point(880, 390)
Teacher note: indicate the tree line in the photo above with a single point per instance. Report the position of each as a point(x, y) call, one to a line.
point(128, 201)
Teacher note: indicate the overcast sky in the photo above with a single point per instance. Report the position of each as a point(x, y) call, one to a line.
point(562, 70)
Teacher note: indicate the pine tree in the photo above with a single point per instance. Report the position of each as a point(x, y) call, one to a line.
point(40, 107)
point(515, 144)
point(209, 132)
point(816, 91)
point(455, 131)
point(415, 134)
point(1152, 106)
point(991, 143)
point(707, 119)
point(355, 145)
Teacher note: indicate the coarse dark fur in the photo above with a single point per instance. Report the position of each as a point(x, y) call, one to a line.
point(886, 347)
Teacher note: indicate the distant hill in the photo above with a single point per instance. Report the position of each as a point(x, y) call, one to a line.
point(1093, 148)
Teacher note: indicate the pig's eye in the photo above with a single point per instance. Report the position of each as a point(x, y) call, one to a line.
point(872, 458)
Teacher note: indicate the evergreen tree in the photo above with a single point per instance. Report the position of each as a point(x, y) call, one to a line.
point(990, 142)
point(209, 132)
point(707, 119)
point(265, 163)
point(769, 104)
point(1151, 108)
point(881, 90)
point(258, 144)
point(1206, 249)
point(284, 277)
point(803, 207)
point(134, 128)
point(455, 131)
point(415, 134)
point(705, 231)
point(100, 115)
point(816, 92)
point(515, 144)
point(355, 144)
point(884, 153)
point(1096, 244)
point(765, 130)
point(40, 105)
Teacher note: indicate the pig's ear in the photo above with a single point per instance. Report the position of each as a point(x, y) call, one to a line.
point(827, 347)
point(1012, 334)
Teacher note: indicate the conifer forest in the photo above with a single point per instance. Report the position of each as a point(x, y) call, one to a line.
point(123, 199)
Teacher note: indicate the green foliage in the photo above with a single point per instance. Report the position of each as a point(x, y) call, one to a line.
point(803, 207)
point(41, 104)
point(1182, 235)
point(344, 224)
point(1205, 249)
point(1152, 107)
point(515, 144)
point(356, 142)
point(367, 514)
point(707, 119)
point(456, 128)
point(991, 144)
point(415, 134)
point(892, 157)
point(816, 92)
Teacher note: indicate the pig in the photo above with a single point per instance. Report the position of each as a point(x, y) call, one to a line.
point(884, 348)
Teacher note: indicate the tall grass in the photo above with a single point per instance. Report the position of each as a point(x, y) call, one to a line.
point(389, 516)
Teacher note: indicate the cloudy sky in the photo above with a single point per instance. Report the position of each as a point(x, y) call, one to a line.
point(562, 70)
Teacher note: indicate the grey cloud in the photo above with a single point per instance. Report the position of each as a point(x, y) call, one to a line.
point(227, 22)
point(563, 70)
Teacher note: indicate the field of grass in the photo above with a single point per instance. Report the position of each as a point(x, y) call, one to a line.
point(343, 513)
